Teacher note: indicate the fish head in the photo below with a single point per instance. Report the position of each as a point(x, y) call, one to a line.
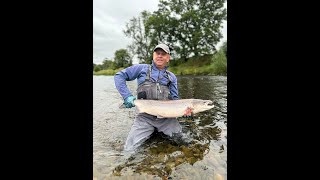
point(199, 105)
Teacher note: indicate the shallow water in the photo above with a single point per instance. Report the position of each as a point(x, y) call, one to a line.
point(160, 158)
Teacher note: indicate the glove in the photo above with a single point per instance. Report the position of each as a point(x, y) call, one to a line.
point(129, 101)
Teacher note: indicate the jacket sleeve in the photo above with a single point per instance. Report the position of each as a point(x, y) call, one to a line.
point(174, 87)
point(127, 74)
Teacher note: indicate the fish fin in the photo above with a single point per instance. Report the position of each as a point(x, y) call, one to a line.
point(188, 111)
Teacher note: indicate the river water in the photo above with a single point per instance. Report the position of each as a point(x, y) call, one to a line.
point(160, 158)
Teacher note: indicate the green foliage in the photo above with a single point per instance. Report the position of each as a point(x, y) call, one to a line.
point(191, 27)
point(109, 64)
point(202, 65)
point(122, 58)
point(194, 66)
point(141, 44)
point(108, 72)
point(94, 65)
point(97, 68)
point(219, 65)
point(224, 48)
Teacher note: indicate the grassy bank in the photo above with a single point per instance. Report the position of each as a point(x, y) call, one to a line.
point(107, 72)
point(202, 65)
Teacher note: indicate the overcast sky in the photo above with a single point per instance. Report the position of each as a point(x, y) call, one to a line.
point(109, 20)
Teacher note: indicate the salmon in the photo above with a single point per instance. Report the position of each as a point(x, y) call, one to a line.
point(172, 108)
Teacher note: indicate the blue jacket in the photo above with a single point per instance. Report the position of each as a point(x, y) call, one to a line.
point(139, 72)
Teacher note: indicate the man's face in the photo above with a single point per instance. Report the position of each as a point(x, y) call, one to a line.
point(160, 58)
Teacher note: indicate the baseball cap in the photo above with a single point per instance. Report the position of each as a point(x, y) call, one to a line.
point(163, 47)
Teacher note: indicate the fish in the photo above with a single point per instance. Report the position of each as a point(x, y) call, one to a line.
point(172, 108)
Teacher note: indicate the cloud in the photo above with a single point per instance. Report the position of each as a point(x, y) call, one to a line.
point(109, 20)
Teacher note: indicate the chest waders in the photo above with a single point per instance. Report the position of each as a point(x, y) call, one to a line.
point(154, 90)
point(144, 124)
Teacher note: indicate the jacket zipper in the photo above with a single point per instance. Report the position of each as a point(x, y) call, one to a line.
point(158, 86)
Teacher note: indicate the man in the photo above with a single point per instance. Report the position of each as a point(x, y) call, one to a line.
point(154, 82)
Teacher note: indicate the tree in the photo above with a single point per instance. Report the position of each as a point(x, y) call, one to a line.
point(97, 68)
point(141, 44)
point(122, 58)
point(224, 48)
point(160, 28)
point(108, 64)
point(192, 26)
point(219, 63)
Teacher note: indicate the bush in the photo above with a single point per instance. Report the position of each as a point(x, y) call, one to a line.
point(219, 65)
point(97, 68)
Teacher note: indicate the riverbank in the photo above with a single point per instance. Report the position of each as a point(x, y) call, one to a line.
point(107, 72)
point(201, 65)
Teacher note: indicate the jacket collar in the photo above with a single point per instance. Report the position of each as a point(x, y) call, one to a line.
point(154, 66)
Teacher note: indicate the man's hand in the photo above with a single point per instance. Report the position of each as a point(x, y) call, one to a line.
point(129, 101)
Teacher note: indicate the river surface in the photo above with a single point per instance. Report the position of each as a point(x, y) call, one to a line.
point(158, 157)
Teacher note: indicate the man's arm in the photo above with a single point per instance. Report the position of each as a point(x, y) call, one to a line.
point(174, 87)
point(127, 74)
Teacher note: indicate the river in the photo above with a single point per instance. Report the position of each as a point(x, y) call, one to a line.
point(159, 158)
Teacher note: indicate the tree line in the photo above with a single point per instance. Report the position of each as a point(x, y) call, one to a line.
point(189, 27)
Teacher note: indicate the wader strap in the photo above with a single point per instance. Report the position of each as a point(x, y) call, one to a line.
point(149, 72)
point(169, 78)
